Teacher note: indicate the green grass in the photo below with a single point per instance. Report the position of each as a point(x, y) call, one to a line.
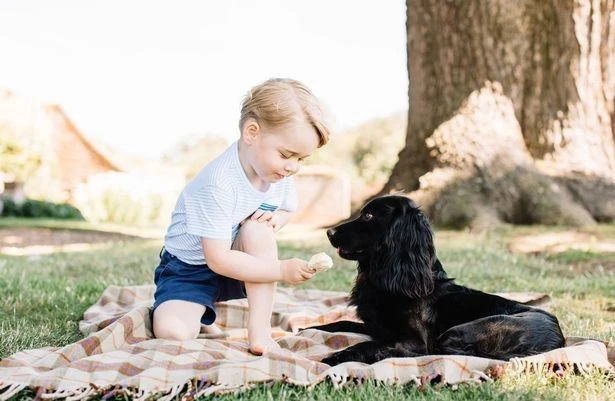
point(43, 299)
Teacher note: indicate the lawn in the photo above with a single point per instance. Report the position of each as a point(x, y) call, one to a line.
point(44, 296)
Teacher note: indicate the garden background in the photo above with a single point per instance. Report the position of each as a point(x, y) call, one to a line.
point(506, 139)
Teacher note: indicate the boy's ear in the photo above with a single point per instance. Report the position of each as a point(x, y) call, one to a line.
point(250, 130)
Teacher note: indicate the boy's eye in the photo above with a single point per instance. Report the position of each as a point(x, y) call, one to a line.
point(284, 155)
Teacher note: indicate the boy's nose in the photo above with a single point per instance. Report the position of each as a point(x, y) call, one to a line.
point(291, 167)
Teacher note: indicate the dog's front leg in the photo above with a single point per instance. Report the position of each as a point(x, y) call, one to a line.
point(342, 326)
point(371, 352)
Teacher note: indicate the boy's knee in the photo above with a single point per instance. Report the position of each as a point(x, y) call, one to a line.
point(256, 229)
point(171, 328)
point(256, 238)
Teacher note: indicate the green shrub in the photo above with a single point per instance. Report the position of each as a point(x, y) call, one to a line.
point(39, 209)
point(9, 207)
point(65, 211)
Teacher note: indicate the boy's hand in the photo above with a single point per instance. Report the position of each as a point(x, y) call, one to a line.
point(295, 271)
point(263, 216)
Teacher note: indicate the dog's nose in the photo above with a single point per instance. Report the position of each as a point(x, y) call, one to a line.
point(330, 232)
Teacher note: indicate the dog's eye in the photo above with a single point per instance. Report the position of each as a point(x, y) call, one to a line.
point(367, 216)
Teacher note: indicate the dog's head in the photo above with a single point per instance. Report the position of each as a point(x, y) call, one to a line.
point(393, 242)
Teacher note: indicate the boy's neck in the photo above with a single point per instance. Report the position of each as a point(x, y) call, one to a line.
point(253, 178)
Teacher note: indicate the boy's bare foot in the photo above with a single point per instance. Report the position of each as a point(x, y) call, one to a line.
point(262, 346)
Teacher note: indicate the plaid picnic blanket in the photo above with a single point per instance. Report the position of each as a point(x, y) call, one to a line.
point(120, 356)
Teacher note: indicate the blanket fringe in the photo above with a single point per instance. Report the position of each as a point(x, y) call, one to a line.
point(8, 390)
point(140, 395)
point(68, 395)
point(338, 380)
point(201, 387)
point(341, 379)
point(84, 395)
point(479, 376)
point(518, 366)
point(221, 389)
point(175, 390)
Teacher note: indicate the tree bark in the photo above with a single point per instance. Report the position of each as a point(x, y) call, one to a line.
point(511, 108)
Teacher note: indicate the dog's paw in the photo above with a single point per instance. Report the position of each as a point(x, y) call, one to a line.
point(301, 329)
point(339, 357)
point(332, 360)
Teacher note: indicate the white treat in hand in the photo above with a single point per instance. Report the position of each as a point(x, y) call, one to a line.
point(320, 262)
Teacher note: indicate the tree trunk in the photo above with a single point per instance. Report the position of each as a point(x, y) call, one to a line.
point(512, 111)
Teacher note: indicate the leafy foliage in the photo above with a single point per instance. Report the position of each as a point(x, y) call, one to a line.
point(39, 209)
point(130, 199)
point(20, 155)
point(366, 153)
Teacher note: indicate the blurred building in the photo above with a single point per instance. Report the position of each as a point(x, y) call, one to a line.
point(67, 159)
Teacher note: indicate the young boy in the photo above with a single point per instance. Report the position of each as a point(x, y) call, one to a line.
point(222, 231)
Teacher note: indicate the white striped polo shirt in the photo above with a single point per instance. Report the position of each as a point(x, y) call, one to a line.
point(215, 201)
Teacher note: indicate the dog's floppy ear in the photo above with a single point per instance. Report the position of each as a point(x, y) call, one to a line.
point(401, 263)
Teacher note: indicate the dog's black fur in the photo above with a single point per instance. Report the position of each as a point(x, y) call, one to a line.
point(410, 307)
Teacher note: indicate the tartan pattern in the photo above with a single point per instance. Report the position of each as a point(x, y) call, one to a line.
point(120, 355)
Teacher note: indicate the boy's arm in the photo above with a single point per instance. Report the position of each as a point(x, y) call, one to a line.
point(245, 267)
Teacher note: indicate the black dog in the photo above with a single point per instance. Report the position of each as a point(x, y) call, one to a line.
point(410, 307)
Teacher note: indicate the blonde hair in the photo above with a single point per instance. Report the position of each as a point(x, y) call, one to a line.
point(278, 101)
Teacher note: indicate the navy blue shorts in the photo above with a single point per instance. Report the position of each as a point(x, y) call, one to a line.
point(178, 280)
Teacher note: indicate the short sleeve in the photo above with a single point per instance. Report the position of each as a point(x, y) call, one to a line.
point(290, 203)
point(209, 212)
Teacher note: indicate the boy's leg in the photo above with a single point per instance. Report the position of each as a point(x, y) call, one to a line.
point(177, 320)
point(258, 239)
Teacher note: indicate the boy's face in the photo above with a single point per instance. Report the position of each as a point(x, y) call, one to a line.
point(277, 152)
